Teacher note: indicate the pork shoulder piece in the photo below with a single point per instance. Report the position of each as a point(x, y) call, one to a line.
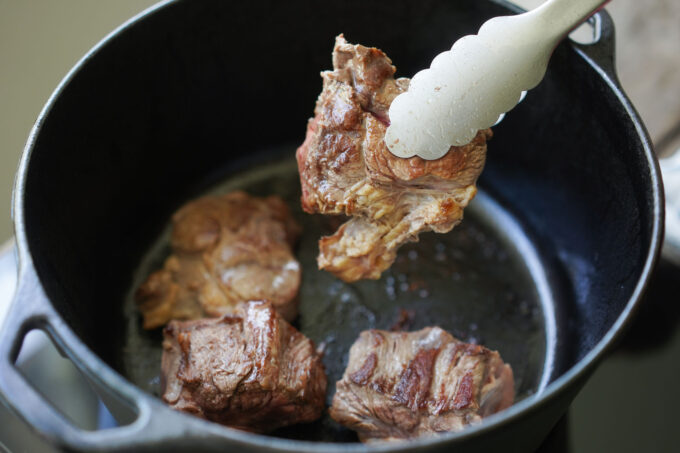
point(346, 168)
point(226, 249)
point(250, 370)
point(400, 385)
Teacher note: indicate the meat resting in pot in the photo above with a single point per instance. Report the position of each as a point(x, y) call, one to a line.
point(401, 385)
point(346, 168)
point(227, 249)
point(250, 370)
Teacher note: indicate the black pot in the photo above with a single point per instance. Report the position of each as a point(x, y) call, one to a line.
point(182, 94)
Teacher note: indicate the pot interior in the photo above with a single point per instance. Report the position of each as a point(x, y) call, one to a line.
point(483, 282)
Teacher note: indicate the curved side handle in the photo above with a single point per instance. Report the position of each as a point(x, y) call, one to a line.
point(31, 310)
point(156, 426)
point(28, 311)
point(670, 171)
point(601, 52)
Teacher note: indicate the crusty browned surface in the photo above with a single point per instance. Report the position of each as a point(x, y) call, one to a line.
point(227, 249)
point(346, 168)
point(400, 385)
point(250, 370)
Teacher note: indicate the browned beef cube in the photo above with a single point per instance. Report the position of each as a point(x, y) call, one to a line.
point(227, 249)
point(250, 370)
point(401, 385)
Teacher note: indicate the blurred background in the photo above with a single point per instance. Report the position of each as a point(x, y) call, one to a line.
point(629, 405)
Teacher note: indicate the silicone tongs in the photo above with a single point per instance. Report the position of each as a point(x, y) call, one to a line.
point(471, 86)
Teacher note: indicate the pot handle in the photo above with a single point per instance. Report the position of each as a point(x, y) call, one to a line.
point(155, 428)
point(27, 312)
point(600, 53)
point(31, 310)
point(670, 172)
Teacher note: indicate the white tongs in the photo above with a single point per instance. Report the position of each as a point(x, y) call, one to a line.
point(483, 76)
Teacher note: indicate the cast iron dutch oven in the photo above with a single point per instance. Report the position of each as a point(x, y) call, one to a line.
point(189, 94)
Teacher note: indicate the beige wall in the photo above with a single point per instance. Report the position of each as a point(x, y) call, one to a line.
point(41, 39)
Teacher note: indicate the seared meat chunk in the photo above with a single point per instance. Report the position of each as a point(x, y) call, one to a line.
point(227, 249)
point(401, 385)
point(250, 370)
point(346, 168)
